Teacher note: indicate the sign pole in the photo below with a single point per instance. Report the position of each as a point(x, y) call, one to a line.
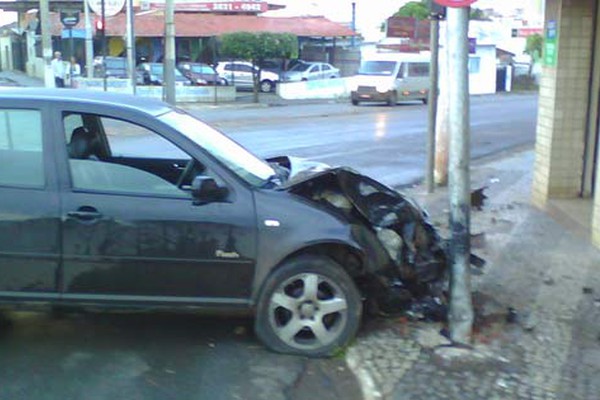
point(432, 99)
point(103, 38)
point(89, 44)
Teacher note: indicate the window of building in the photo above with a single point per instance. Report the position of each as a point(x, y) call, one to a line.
point(474, 65)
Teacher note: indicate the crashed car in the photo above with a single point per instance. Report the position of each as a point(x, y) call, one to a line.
point(112, 201)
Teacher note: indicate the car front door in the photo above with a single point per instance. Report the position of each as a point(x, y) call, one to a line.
point(131, 231)
point(29, 204)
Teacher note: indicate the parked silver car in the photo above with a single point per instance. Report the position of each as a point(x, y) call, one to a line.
point(308, 71)
point(239, 73)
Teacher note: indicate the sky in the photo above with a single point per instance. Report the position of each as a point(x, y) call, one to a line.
point(371, 13)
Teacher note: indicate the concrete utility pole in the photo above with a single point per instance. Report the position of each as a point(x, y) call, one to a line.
point(461, 307)
point(432, 98)
point(130, 45)
point(169, 64)
point(46, 43)
point(441, 128)
point(89, 44)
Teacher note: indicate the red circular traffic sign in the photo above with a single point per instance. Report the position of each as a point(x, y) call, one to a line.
point(455, 3)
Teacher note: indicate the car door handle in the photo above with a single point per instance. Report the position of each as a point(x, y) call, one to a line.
point(85, 214)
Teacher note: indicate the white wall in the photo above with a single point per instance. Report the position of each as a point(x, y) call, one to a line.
point(482, 70)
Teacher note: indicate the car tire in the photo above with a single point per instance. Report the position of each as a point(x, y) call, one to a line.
point(355, 102)
point(309, 307)
point(425, 100)
point(266, 86)
point(223, 82)
point(392, 99)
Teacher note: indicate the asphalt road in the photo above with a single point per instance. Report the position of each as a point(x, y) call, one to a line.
point(124, 356)
point(389, 144)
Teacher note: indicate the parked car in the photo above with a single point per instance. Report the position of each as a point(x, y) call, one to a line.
point(239, 73)
point(153, 74)
point(308, 71)
point(200, 73)
point(114, 67)
point(391, 78)
point(114, 201)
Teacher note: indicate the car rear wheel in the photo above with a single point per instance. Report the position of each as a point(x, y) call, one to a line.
point(355, 102)
point(309, 306)
point(266, 86)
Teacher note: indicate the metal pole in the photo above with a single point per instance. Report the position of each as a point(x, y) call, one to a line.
point(131, 46)
point(71, 54)
point(432, 98)
point(169, 66)
point(461, 307)
point(89, 44)
point(46, 43)
point(353, 40)
point(103, 38)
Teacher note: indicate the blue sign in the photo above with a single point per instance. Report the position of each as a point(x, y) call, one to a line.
point(78, 33)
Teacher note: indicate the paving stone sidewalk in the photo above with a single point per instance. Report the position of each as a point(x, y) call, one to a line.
point(547, 348)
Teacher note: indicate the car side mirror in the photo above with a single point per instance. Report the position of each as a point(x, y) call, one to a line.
point(206, 190)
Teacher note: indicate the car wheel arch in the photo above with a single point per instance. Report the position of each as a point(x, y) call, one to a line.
point(352, 259)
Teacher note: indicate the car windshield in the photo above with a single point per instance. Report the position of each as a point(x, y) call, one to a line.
point(202, 69)
point(300, 67)
point(243, 163)
point(380, 68)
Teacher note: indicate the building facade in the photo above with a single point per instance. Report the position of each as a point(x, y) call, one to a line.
point(566, 165)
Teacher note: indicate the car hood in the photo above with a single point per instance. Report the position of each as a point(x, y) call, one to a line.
point(400, 224)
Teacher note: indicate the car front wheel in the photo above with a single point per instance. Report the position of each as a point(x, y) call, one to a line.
point(309, 306)
point(266, 86)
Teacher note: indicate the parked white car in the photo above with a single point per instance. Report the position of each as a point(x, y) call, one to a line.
point(239, 73)
point(308, 71)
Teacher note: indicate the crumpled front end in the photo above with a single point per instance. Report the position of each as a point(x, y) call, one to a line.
point(407, 261)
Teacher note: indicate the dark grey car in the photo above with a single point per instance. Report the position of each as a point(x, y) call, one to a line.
point(113, 201)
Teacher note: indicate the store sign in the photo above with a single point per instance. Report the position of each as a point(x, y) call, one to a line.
point(69, 18)
point(455, 3)
point(111, 7)
point(247, 6)
point(408, 28)
point(550, 44)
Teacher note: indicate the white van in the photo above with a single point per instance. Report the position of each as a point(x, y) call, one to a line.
point(392, 78)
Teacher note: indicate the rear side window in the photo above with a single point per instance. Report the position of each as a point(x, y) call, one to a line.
point(418, 70)
point(21, 159)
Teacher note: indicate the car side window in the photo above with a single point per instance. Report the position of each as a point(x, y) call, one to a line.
point(21, 154)
point(112, 155)
point(326, 67)
point(418, 70)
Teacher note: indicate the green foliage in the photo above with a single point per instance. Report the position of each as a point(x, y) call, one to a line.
point(477, 14)
point(415, 9)
point(257, 47)
point(534, 45)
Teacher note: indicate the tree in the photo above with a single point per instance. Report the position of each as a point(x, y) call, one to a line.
point(534, 47)
point(257, 47)
point(477, 14)
point(415, 9)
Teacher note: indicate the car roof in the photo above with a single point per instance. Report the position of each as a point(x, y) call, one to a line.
point(87, 97)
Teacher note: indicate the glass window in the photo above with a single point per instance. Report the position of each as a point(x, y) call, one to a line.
point(111, 155)
point(379, 68)
point(474, 65)
point(21, 157)
point(418, 70)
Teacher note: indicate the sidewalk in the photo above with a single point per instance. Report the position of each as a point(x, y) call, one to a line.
point(550, 277)
point(17, 78)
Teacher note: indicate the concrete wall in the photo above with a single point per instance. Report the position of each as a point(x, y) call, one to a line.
point(196, 94)
point(319, 89)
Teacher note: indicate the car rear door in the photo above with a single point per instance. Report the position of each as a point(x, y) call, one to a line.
point(29, 203)
point(131, 234)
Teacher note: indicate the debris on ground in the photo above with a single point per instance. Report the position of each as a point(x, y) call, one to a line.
point(478, 198)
